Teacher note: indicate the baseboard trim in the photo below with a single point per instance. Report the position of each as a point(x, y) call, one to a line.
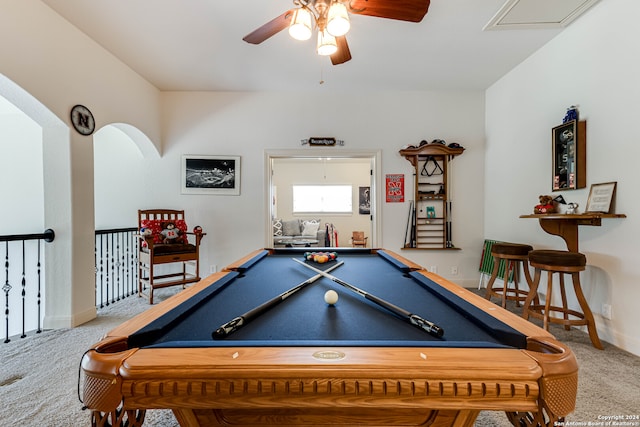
point(59, 322)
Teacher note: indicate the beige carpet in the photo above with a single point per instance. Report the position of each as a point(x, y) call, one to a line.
point(38, 381)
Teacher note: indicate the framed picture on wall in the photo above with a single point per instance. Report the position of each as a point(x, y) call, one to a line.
point(364, 200)
point(395, 187)
point(210, 175)
point(601, 197)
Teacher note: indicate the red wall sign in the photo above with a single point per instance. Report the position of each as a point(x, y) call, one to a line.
point(395, 188)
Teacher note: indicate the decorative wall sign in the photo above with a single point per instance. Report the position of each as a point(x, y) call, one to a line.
point(211, 175)
point(395, 188)
point(322, 141)
point(82, 120)
point(601, 197)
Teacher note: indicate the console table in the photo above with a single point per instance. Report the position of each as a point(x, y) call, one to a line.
point(566, 225)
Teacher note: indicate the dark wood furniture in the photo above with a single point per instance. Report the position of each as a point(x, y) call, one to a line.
point(514, 255)
point(560, 263)
point(566, 225)
point(430, 224)
point(304, 362)
point(154, 249)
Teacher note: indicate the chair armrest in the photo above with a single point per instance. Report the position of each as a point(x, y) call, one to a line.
point(199, 236)
point(146, 238)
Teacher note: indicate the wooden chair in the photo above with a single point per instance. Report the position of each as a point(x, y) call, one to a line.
point(159, 243)
point(358, 239)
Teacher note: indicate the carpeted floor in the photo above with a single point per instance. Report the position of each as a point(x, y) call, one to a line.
point(38, 380)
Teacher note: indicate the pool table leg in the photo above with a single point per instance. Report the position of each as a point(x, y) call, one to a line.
point(533, 419)
point(118, 417)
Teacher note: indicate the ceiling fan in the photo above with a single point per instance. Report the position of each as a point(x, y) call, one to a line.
point(331, 19)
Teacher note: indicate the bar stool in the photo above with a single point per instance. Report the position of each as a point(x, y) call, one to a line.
point(560, 262)
point(512, 254)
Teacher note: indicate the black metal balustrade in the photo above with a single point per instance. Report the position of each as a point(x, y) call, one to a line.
point(25, 280)
point(116, 265)
point(116, 275)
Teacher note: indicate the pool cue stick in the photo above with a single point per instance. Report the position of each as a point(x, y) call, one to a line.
point(406, 227)
point(447, 206)
point(413, 224)
point(414, 319)
point(238, 322)
point(406, 230)
point(449, 197)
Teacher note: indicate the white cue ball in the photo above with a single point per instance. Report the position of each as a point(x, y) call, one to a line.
point(331, 297)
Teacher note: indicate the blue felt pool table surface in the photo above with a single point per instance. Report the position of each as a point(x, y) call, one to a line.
point(305, 319)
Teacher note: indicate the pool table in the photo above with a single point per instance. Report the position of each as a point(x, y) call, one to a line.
point(304, 362)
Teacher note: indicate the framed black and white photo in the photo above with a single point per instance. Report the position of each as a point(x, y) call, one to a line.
point(601, 197)
point(211, 175)
point(364, 200)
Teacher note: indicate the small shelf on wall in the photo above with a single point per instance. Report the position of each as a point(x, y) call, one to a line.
point(430, 226)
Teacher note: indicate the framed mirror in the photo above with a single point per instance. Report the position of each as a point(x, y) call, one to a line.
point(569, 156)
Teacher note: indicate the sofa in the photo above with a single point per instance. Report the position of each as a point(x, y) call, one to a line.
point(298, 232)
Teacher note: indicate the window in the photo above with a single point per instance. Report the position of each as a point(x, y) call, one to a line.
point(322, 198)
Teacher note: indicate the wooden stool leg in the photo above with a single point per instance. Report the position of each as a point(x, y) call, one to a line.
point(591, 323)
point(511, 268)
point(533, 294)
point(527, 273)
point(547, 303)
point(151, 273)
point(494, 274)
point(529, 279)
point(516, 282)
point(505, 282)
point(565, 305)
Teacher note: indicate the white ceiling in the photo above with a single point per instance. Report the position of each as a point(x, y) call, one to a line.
point(196, 45)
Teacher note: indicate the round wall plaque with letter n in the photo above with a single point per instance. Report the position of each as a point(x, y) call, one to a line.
point(82, 120)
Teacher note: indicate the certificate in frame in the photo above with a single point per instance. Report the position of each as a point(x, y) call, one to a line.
point(601, 197)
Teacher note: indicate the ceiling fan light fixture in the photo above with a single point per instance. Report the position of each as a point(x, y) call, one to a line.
point(327, 44)
point(338, 20)
point(300, 28)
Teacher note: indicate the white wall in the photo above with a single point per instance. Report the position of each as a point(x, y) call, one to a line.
point(594, 63)
point(20, 163)
point(247, 124)
point(121, 177)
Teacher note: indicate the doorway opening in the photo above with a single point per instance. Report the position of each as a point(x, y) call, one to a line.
point(290, 172)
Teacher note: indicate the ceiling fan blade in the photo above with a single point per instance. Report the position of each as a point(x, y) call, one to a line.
point(269, 29)
point(343, 54)
point(403, 10)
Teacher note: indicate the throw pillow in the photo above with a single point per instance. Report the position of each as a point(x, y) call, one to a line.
point(310, 228)
point(277, 227)
point(291, 227)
